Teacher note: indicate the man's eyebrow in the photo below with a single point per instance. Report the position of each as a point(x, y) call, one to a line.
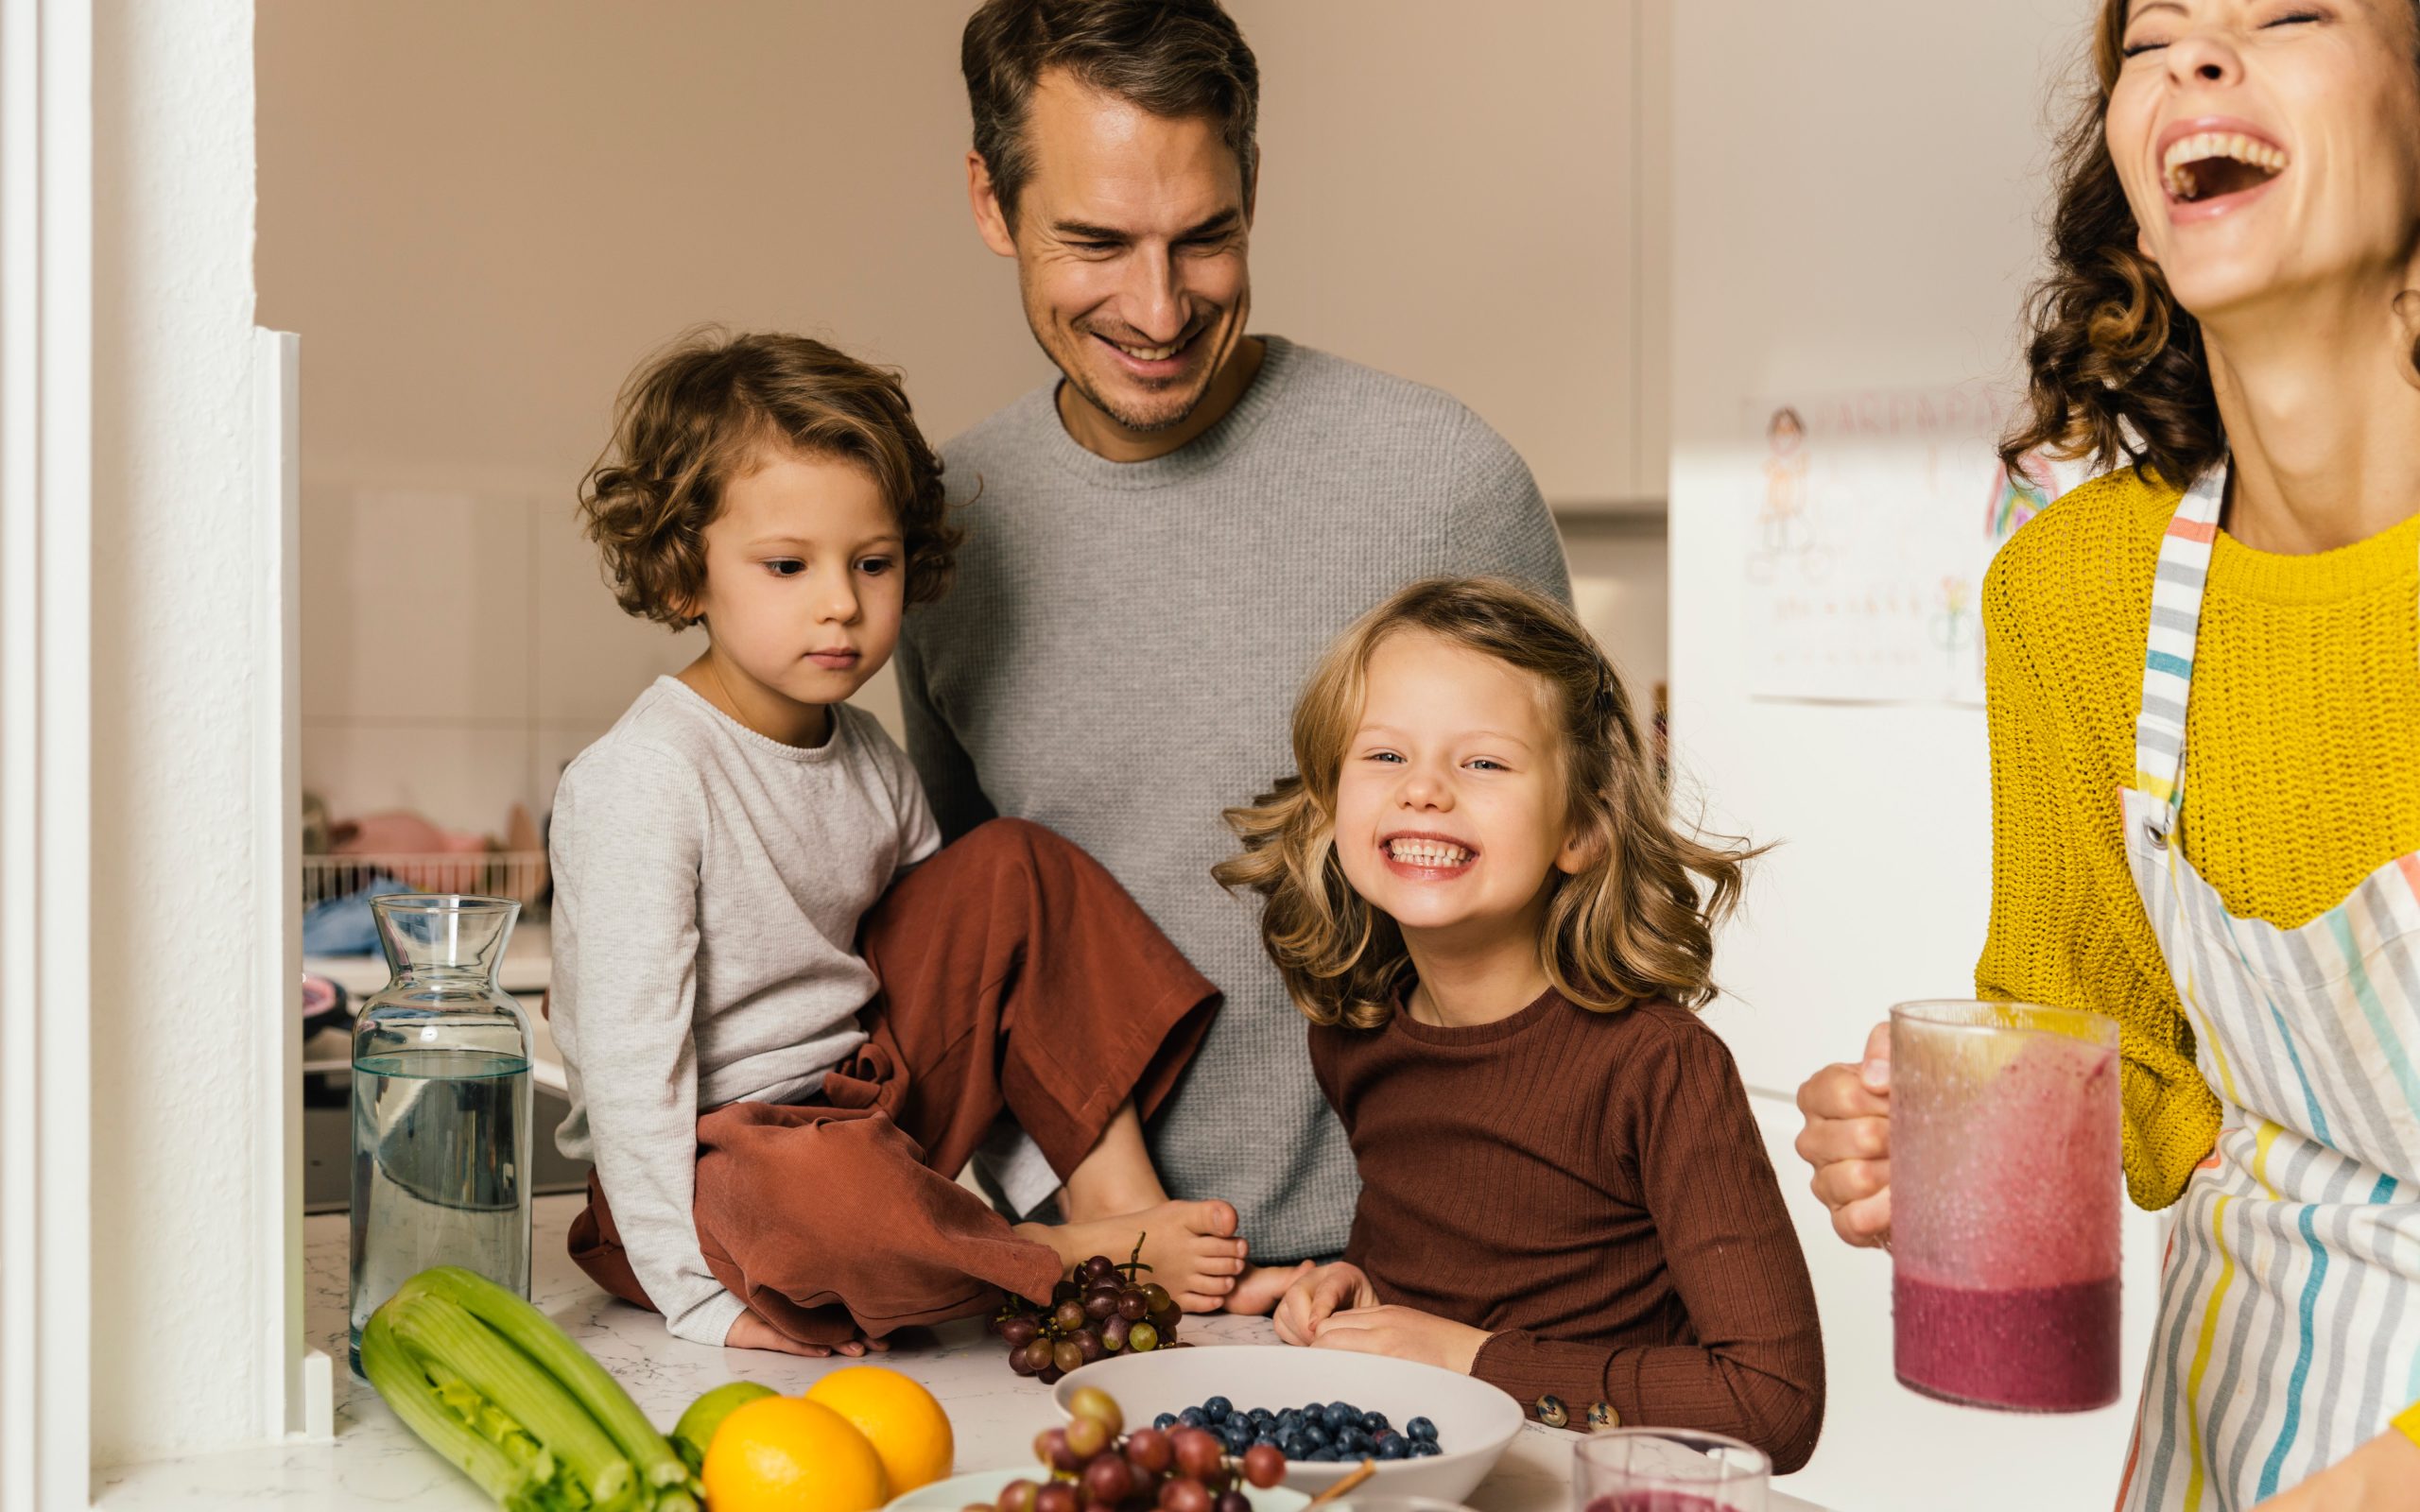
point(1223, 221)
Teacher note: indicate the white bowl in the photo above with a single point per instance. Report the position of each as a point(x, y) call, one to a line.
point(986, 1486)
point(1474, 1419)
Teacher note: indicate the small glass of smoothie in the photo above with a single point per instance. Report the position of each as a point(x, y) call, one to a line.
point(1669, 1470)
point(2005, 1193)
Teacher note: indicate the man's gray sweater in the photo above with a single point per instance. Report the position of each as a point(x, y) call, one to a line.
point(1118, 661)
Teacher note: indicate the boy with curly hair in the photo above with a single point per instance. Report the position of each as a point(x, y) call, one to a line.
point(788, 1015)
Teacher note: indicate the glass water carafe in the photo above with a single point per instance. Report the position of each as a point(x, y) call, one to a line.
point(440, 1105)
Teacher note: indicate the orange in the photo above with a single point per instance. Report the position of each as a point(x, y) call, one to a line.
point(900, 1417)
point(788, 1454)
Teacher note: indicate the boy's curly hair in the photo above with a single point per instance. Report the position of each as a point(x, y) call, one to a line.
point(1632, 926)
point(706, 411)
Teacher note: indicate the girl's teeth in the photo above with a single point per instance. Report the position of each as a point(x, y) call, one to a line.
point(1428, 852)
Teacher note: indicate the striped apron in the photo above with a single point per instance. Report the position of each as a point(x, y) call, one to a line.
point(2289, 1302)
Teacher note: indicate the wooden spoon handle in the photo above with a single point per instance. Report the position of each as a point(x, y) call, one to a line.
point(1367, 1468)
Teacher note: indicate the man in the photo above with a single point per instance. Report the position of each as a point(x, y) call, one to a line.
point(1161, 543)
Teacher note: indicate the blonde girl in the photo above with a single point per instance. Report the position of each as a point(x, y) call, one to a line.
point(1500, 940)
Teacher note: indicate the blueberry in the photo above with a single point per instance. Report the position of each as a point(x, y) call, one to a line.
point(1424, 1447)
point(1421, 1428)
point(1315, 1435)
point(1291, 1418)
point(1217, 1409)
point(1193, 1418)
point(1323, 1455)
point(1261, 1417)
point(1373, 1421)
point(1313, 1409)
point(1164, 1421)
point(1338, 1416)
point(1395, 1446)
point(1293, 1445)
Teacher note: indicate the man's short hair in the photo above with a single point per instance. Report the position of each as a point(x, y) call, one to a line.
point(1180, 59)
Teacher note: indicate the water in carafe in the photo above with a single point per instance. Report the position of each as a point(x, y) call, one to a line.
point(442, 1108)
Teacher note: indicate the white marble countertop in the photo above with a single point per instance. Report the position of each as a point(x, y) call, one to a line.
point(374, 1461)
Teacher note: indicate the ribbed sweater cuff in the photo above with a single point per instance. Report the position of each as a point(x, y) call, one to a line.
point(1551, 1379)
point(709, 1322)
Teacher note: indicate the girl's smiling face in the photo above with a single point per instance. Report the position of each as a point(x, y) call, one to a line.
point(2270, 147)
point(1450, 808)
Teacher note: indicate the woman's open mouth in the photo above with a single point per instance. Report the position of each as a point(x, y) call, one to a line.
point(1427, 857)
point(2209, 171)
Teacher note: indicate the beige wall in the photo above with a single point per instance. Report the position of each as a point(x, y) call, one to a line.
point(480, 217)
point(1880, 890)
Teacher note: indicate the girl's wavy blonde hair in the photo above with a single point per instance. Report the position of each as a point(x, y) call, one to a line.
point(1637, 924)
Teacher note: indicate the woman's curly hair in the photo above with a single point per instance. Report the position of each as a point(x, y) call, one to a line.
point(2117, 373)
point(706, 411)
point(1636, 924)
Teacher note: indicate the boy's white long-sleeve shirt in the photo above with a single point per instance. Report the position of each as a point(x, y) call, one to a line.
point(708, 886)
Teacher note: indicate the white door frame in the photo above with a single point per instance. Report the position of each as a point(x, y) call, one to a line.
point(46, 751)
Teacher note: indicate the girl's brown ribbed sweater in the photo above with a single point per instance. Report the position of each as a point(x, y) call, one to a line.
point(1593, 1189)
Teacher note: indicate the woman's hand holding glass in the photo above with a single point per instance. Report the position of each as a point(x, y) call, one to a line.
point(1847, 1140)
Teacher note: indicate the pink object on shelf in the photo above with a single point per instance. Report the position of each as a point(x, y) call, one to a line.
point(409, 834)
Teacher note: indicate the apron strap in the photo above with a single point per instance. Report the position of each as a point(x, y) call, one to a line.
point(2176, 619)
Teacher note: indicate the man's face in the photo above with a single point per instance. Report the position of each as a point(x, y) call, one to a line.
point(1130, 240)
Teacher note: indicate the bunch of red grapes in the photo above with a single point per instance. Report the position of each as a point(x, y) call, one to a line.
point(1101, 1309)
point(1093, 1469)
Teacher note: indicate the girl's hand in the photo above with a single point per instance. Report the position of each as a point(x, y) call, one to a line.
point(749, 1331)
point(1260, 1288)
point(2382, 1475)
point(1847, 1140)
point(1319, 1291)
point(1405, 1332)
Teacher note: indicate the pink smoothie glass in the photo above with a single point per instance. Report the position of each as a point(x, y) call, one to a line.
point(2004, 1204)
point(1669, 1470)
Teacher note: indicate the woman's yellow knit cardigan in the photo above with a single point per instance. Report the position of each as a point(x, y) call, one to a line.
point(2304, 739)
point(2304, 734)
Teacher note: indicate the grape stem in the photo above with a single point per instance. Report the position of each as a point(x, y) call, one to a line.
point(1135, 1261)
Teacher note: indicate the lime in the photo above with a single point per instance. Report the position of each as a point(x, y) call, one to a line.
point(697, 1426)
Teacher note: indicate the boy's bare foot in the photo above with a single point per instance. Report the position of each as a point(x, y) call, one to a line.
point(1191, 1248)
point(749, 1331)
point(1260, 1288)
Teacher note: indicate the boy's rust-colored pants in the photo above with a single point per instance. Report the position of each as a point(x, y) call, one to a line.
point(1017, 974)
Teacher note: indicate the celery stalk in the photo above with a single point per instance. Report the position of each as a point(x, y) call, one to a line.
point(407, 1388)
point(437, 1331)
point(659, 1468)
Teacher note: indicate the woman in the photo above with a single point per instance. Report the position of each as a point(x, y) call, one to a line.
point(2232, 312)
